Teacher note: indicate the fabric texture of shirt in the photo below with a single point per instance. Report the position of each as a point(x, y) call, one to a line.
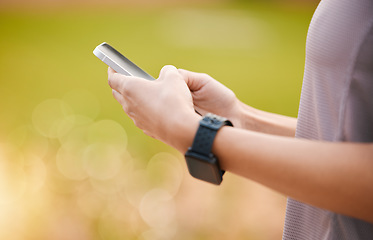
point(336, 104)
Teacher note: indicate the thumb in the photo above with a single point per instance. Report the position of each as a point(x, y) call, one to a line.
point(169, 72)
point(195, 81)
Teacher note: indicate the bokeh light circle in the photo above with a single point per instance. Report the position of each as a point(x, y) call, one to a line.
point(29, 141)
point(69, 160)
point(165, 171)
point(157, 208)
point(36, 173)
point(82, 102)
point(109, 132)
point(12, 174)
point(53, 118)
point(116, 184)
point(91, 203)
point(137, 187)
point(102, 161)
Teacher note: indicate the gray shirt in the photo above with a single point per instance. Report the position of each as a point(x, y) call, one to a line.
point(336, 104)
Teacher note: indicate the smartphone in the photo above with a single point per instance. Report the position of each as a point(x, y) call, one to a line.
point(118, 62)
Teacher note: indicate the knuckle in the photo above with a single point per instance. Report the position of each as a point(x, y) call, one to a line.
point(110, 80)
point(169, 67)
point(149, 134)
point(124, 87)
point(134, 121)
point(112, 76)
point(169, 71)
point(125, 109)
point(131, 114)
point(137, 123)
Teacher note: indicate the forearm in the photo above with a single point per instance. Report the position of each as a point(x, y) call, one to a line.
point(211, 96)
point(265, 122)
point(334, 176)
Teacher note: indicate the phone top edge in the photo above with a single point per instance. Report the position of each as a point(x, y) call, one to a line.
point(100, 53)
point(97, 52)
point(109, 61)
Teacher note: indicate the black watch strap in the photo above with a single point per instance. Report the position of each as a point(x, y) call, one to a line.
point(207, 130)
point(202, 164)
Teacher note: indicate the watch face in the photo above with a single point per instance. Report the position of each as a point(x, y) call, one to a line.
point(205, 169)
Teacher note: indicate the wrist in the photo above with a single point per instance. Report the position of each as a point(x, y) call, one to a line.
point(183, 130)
point(234, 111)
point(265, 122)
point(245, 117)
point(202, 163)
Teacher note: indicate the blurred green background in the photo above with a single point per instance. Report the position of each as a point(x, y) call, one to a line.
point(73, 166)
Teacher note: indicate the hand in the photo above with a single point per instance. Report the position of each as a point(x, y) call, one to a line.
point(162, 108)
point(211, 96)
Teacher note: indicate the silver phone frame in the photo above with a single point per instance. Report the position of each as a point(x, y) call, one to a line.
point(118, 62)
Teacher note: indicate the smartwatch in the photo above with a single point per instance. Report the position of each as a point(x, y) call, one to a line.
point(202, 164)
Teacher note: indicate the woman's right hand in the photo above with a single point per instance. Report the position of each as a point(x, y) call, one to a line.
point(211, 96)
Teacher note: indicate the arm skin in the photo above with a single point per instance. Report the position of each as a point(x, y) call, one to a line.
point(265, 122)
point(333, 176)
point(211, 96)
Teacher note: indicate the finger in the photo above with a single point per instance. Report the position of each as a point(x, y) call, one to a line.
point(115, 80)
point(149, 134)
point(118, 96)
point(120, 82)
point(121, 100)
point(195, 81)
point(110, 70)
point(169, 72)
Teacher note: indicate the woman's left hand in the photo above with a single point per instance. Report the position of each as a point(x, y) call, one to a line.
point(162, 108)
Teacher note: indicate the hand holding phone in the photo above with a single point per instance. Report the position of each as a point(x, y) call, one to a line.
point(118, 62)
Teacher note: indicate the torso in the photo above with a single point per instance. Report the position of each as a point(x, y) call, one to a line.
point(336, 104)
